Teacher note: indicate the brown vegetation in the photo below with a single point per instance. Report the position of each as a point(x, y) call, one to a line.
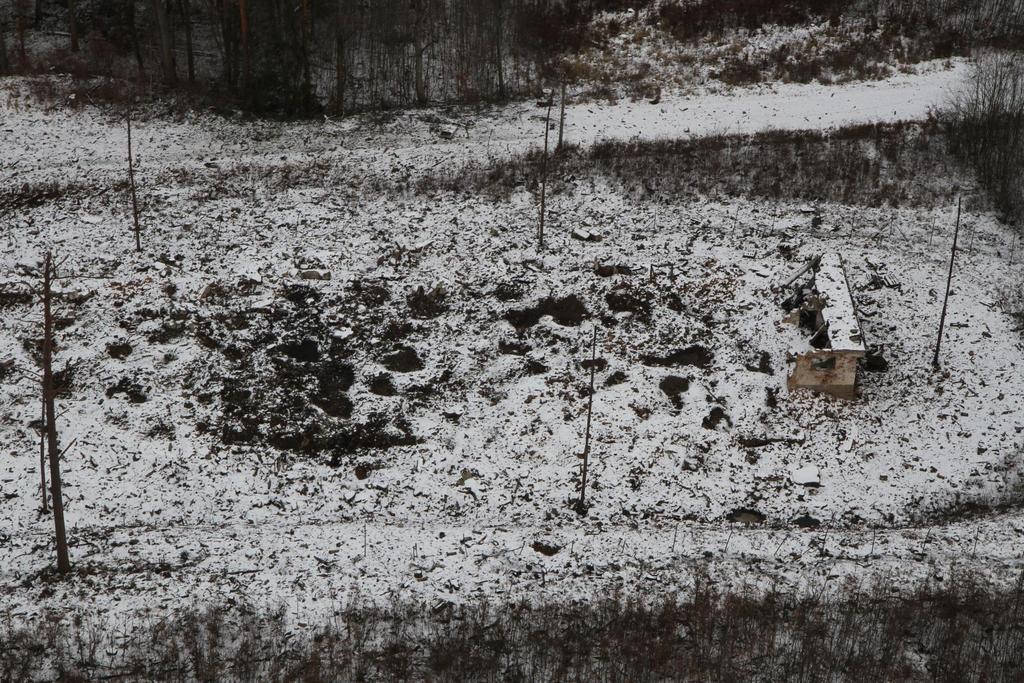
point(874, 164)
point(950, 629)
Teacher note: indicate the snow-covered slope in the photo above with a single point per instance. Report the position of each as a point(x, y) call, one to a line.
point(413, 423)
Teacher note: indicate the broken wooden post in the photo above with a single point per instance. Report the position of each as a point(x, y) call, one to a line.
point(42, 456)
point(949, 282)
point(581, 506)
point(561, 117)
point(131, 182)
point(544, 178)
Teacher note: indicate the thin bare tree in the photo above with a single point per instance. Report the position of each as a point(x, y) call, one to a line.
point(42, 456)
point(949, 285)
point(4, 65)
point(131, 182)
point(581, 505)
point(186, 18)
point(544, 175)
point(561, 118)
point(165, 38)
point(49, 396)
point(73, 25)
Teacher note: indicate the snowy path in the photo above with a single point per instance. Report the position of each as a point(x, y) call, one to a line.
point(318, 565)
point(35, 145)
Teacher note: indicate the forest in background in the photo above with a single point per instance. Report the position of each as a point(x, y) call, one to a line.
point(310, 57)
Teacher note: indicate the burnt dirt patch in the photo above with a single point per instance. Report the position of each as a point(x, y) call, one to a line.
point(286, 375)
point(695, 356)
point(674, 386)
point(130, 390)
point(382, 385)
point(119, 350)
point(629, 300)
point(376, 433)
point(746, 516)
point(402, 359)
point(715, 418)
point(427, 303)
point(14, 295)
point(567, 311)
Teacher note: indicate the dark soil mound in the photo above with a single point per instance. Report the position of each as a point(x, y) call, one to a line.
point(568, 311)
point(696, 356)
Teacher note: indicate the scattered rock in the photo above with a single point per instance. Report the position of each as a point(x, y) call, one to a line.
point(807, 475)
point(586, 235)
point(546, 549)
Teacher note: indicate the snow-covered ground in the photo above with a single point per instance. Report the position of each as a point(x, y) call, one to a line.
point(476, 383)
point(82, 145)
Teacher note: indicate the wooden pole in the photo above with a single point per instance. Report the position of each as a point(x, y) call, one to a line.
point(561, 118)
point(544, 177)
point(49, 394)
point(581, 507)
point(949, 282)
point(42, 456)
point(131, 183)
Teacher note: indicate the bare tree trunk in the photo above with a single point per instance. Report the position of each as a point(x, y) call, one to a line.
point(4, 65)
point(419, 48)
point(499, 56)
point(186, 18)
point(135, 40)
point(340, 73)
point(73, 25)
point(131, 184)
point(305, 33)
point(243, 28)
point(49, 394)
point(227, 37)
point(421, 85)
point(42, 455)
point(561, 118)
point(20, 23)
point(949, 284)
point(544, 179)
point(163, 29)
